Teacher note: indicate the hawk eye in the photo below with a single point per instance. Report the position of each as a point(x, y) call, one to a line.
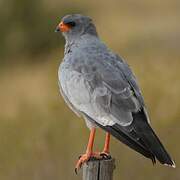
point(71, 23)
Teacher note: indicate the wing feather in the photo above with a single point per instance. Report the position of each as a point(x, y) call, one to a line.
point(103, 87)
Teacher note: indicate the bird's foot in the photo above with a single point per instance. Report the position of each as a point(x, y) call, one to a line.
point(105, 154)
point(85, 158)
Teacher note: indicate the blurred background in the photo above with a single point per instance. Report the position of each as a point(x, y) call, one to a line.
point(40, 138)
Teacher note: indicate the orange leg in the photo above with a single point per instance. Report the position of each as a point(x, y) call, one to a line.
point(91, 141)
point(89, 151)
point(107, 142)
point(105, 152)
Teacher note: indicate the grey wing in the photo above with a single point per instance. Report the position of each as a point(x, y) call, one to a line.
point(130, 78)
point(115, 94)
point(101, 90)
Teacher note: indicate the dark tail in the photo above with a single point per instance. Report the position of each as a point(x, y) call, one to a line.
point(150, 140)
point(117, 131)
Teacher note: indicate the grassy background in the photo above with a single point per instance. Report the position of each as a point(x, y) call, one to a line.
point(40, 137)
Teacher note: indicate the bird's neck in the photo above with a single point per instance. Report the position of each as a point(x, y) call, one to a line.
point(83, 40)
point(68, 47)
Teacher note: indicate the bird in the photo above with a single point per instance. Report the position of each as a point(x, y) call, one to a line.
point(98, 85)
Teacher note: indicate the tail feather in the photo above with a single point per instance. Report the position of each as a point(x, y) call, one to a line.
point(151, 141)
point(124, 138)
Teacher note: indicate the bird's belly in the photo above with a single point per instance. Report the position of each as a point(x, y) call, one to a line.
point(75, 88)
point(78, 92)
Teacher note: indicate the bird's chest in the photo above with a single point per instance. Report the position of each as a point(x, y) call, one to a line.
point(74, 86)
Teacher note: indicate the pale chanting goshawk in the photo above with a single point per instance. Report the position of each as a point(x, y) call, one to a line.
point(98, 85)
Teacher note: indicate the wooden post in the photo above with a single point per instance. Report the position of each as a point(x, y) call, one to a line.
point(99, 169)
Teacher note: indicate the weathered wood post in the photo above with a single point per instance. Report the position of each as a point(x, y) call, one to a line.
point(99, 169)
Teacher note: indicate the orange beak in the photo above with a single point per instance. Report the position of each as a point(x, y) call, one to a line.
point(63, 27)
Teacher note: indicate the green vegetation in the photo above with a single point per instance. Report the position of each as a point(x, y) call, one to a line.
point(40, 137)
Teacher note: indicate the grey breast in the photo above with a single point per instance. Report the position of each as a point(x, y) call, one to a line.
point(97, 82)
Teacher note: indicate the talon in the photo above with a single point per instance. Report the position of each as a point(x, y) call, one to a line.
point(82, 159)
point(85, 158)
point(105, 155)
point(76, 171)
